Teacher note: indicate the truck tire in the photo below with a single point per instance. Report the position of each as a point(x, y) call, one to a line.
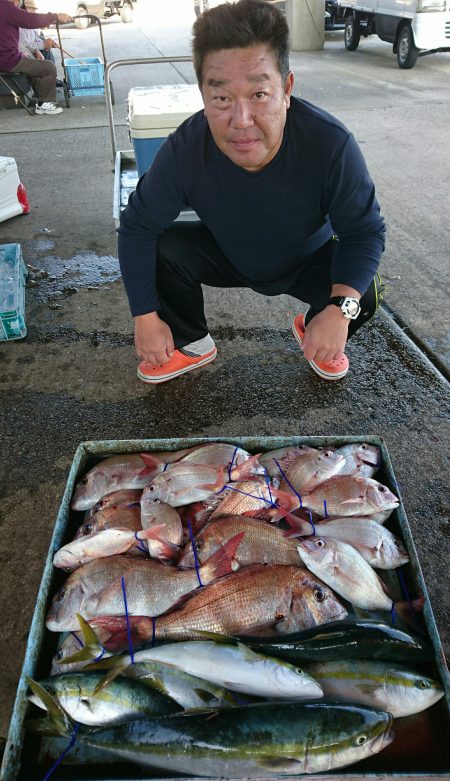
point(352, 33)
point(126, 13)
point(81, 24)
point(407, 52)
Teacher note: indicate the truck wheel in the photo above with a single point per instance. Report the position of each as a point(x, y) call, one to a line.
point(81, 24)
point(407, 53)
point(126, 13)
point(352, 33)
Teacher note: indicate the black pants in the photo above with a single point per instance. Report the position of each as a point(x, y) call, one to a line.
point(188, 257)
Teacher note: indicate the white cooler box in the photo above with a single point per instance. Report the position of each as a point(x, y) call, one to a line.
point(154, 112)
point(13, 198)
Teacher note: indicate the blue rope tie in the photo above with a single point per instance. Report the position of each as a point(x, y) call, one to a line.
point(79, 641)
point(252, 496)
point(266, 475)
point(325, 508)
point(153, 631)
point(100, 656)
point(64, 753)
point(140, 546)
point(289, 483)
point(312, 522)
point(130, 644)
point(393, 615)
point(165, 467)
point(197, 568)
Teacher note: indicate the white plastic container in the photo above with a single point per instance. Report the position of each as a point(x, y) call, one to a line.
point(13, 197)
point(154, 112)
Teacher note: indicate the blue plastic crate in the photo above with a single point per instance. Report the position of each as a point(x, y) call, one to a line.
point(85, 76)
point(13, 273)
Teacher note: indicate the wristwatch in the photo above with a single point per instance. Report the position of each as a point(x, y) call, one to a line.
point(349, 307)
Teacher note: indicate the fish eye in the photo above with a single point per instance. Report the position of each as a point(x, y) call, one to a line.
point(360, 740)
point(198, 546)
point(60, 595)
point(299, 670)
point(59, 655)
point(422, 684)
point(382, 489)
point(151, 488)
point(87, 529)
point(319, 595)
point(84, 481)
point(327, 453)
point(320, 543)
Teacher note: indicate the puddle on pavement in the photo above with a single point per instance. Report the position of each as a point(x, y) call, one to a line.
point(52, 277)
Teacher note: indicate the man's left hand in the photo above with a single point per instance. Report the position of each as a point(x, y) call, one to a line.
point(326, 335)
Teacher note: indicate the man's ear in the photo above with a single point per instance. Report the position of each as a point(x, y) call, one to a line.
point(288, 87)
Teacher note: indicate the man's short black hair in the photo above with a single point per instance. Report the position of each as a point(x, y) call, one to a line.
point(237, 26)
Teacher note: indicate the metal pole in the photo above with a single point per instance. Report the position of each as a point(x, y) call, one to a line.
point(117, 64)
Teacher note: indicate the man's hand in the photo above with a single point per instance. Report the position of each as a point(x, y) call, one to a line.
point(326, 335)
point(49, 43)
point(64, 18)
point(153, 339)
point(38, 55)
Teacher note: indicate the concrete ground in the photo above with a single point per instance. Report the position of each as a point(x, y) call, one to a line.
point(73, 378)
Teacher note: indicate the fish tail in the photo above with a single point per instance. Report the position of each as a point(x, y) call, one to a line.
point(247, 469)
point(299, 527)
point(92, 648)
point(56, 722)
point(286, 500)
point(222, 562)
point(158, 547)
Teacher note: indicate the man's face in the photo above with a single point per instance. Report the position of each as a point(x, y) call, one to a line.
point(246, 103)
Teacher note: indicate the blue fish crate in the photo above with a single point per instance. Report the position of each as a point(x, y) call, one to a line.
point(420, 751)
point(13, 273)
point(85, 76)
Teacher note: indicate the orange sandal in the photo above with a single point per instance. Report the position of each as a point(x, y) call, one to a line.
point(333, 370)
point(178, 364)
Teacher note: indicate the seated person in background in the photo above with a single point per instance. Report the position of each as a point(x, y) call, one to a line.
point(42, 73)
point(33, 42)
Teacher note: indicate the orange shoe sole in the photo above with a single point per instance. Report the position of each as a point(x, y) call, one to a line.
point(334, 370)
point(177, 365)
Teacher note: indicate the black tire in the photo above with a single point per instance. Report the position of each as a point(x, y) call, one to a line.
point(352, 33)
point(81, 24)
point(66, 94)
point(126, 13)
point(407, 52)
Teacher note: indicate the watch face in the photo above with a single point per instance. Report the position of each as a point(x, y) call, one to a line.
point(351, 307)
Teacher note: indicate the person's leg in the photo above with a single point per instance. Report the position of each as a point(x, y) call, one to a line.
point(188, 257)
point(42, 75)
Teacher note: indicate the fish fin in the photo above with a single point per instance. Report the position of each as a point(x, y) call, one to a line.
point(280, 764)
point(57, 719)
point(218, 485)
point(117, 668)
point(215, 637)
point(91, 644)
point(247, 652)
point(222, 561)
point(152, 464)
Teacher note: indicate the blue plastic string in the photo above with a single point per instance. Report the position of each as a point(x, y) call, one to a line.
point(100, 656)
point(311, 522)
point(266, 474)
point(289, 483)
point(165, 467)
point(130, 644)
point(245, 493)
point(393, 615)
point(197, 568)
point(231, 463)
point(325, 508)
point(141, 545)
point(153, 631)
point(64, 753)
point(79, 641)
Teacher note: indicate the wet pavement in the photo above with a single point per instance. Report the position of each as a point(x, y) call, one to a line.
point(73, 378)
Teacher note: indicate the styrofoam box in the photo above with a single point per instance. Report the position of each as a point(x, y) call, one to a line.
point(9, 183)
point(154, 112)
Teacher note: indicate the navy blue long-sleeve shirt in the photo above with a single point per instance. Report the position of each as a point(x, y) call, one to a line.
point(266, 222)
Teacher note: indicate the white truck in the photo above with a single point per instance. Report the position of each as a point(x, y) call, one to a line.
point(414, 27)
